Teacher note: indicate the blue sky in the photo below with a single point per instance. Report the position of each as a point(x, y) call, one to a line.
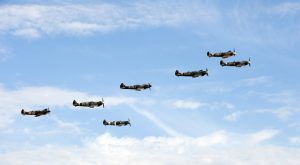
point(54, 52)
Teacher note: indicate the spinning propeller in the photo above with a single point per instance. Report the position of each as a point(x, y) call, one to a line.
point(102, 102)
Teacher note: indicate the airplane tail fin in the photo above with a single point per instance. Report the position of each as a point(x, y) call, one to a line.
point(209, 54)
point(22, 112)
point(222, 63)
point(122, 85)
point(75, 103)
point(177, 73)
point(105, 122)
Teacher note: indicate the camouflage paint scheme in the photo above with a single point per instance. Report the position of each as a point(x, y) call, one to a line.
point(136, 87)
point(36, 113)
point(117, 123)
point(90, 104)
point(236, 63)
point(222, 54)
point(193, 74)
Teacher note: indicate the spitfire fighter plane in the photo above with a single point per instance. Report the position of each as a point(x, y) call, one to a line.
point(236, 63)
point(136, 87)
point(193, 74)
point(117, 123)
point(36, 113)
point(222, 54)
point(90, 104)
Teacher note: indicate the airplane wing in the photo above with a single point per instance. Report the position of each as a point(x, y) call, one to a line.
point(225, 56)
point(37, 115)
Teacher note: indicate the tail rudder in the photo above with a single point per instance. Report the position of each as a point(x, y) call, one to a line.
point(177, 73)
point(105, 122)
point(122, 85)
point(222, 63)
point(22, 112)
point(75, 103)
point(209, 54)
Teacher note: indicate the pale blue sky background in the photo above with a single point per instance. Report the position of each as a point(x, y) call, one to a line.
point(54, 52)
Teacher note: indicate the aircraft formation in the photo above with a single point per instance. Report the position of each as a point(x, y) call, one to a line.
point(193, 74)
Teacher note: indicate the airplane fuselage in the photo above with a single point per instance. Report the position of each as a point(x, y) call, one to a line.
point(221, 54)
point(193, 74)
point(235, 63)
point(36, 113)
point(90, 104)
point(116, 123)
point(136, 87)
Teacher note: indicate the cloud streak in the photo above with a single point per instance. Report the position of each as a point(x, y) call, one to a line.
point(31, 21)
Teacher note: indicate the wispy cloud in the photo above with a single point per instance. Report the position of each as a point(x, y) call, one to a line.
point(31, 21)
point(27, 33)
point(263, 135)
point(185, 104)
point(4, 53)
point(287, 8)
point(286, 103)
point(156, 121)
point(233, 116)
point(255, 81)
point(294, 140)
point(282, 112)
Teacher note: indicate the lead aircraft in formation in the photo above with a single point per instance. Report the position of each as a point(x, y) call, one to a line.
point(222, 54)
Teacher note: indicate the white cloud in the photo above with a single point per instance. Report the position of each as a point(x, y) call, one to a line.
point(4, 53)
point(295, 125)
point(263, 135)
point(287, 8)
point(255, 81)
point(33, 20)
point(61, 128)
point(185, 104)
point(107, 149)
point(27, 33)
point(282, 112)
point(233, 116)
point(294, 140)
